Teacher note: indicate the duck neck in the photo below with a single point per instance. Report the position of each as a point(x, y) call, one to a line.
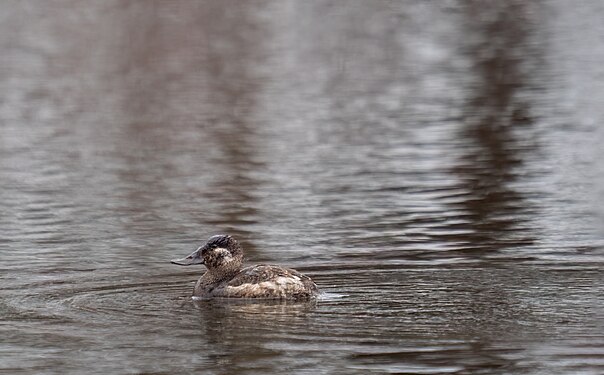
point(217, 275)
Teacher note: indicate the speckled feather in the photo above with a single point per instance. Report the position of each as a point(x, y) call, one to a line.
point(261, 281)
point(264, 281)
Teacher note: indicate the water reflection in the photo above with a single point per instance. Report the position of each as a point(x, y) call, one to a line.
point(500, 55)
point(232, 86)
point(217, 125)
point(226, 325)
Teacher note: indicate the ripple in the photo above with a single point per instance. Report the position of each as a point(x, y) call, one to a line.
point(112, 299)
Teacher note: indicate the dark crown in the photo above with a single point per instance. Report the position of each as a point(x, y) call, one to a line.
point(226, 242)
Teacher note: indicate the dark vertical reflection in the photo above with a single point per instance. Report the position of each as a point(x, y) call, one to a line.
point(198, 100)
point(204, 109)
point(501, 57)
point(235, 43)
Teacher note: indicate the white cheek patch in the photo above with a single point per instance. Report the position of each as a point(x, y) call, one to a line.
point(219, 258)
point(222, 252)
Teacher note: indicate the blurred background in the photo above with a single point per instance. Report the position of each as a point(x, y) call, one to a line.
point(435, 166)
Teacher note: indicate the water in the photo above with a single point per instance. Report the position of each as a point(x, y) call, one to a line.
point(434, 166)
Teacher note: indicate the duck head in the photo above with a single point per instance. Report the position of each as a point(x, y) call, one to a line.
point(220, 251)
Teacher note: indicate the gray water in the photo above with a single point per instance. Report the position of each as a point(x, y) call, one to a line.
point(436, 167)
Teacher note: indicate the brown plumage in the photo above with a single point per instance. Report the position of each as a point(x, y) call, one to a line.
point(223, 256)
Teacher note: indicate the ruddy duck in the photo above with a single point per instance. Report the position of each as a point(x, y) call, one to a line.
point(223, 257)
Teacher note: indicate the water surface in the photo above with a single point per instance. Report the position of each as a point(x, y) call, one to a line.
point(434, 166)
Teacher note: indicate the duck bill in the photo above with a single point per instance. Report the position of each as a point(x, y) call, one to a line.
point(193, 258)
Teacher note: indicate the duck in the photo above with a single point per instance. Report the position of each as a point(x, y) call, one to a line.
point(222, 255)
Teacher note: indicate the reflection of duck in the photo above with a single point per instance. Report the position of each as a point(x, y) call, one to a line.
point(223, 256)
